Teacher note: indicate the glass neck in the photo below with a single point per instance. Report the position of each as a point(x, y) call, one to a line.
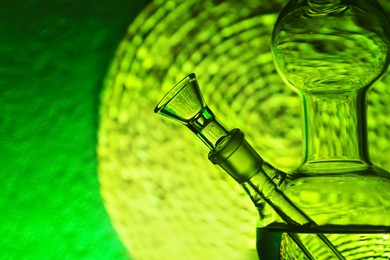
point(207, 127)
point(335, 132)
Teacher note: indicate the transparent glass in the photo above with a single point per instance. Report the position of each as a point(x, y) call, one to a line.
point(336, 204)
point(184, 103)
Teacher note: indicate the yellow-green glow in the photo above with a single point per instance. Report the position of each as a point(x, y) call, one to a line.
point(165, 199)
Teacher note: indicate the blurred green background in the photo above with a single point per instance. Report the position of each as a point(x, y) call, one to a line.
point(54, 56)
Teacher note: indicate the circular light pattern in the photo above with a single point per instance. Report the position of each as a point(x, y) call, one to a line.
point(165, 199)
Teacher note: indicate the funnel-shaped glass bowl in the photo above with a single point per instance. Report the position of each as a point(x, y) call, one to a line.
point(185, 104)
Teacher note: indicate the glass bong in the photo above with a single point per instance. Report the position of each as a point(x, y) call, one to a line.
point(336, 204)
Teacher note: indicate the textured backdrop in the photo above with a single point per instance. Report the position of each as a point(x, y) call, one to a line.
point(54, 56)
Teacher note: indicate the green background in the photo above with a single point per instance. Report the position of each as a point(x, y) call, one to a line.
point(54, 56)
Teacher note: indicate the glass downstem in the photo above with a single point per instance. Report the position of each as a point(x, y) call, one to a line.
point(301, 246)
point(265, 189)
point(236, 156)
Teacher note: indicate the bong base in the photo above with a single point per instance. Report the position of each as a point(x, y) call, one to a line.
point(354, 242)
